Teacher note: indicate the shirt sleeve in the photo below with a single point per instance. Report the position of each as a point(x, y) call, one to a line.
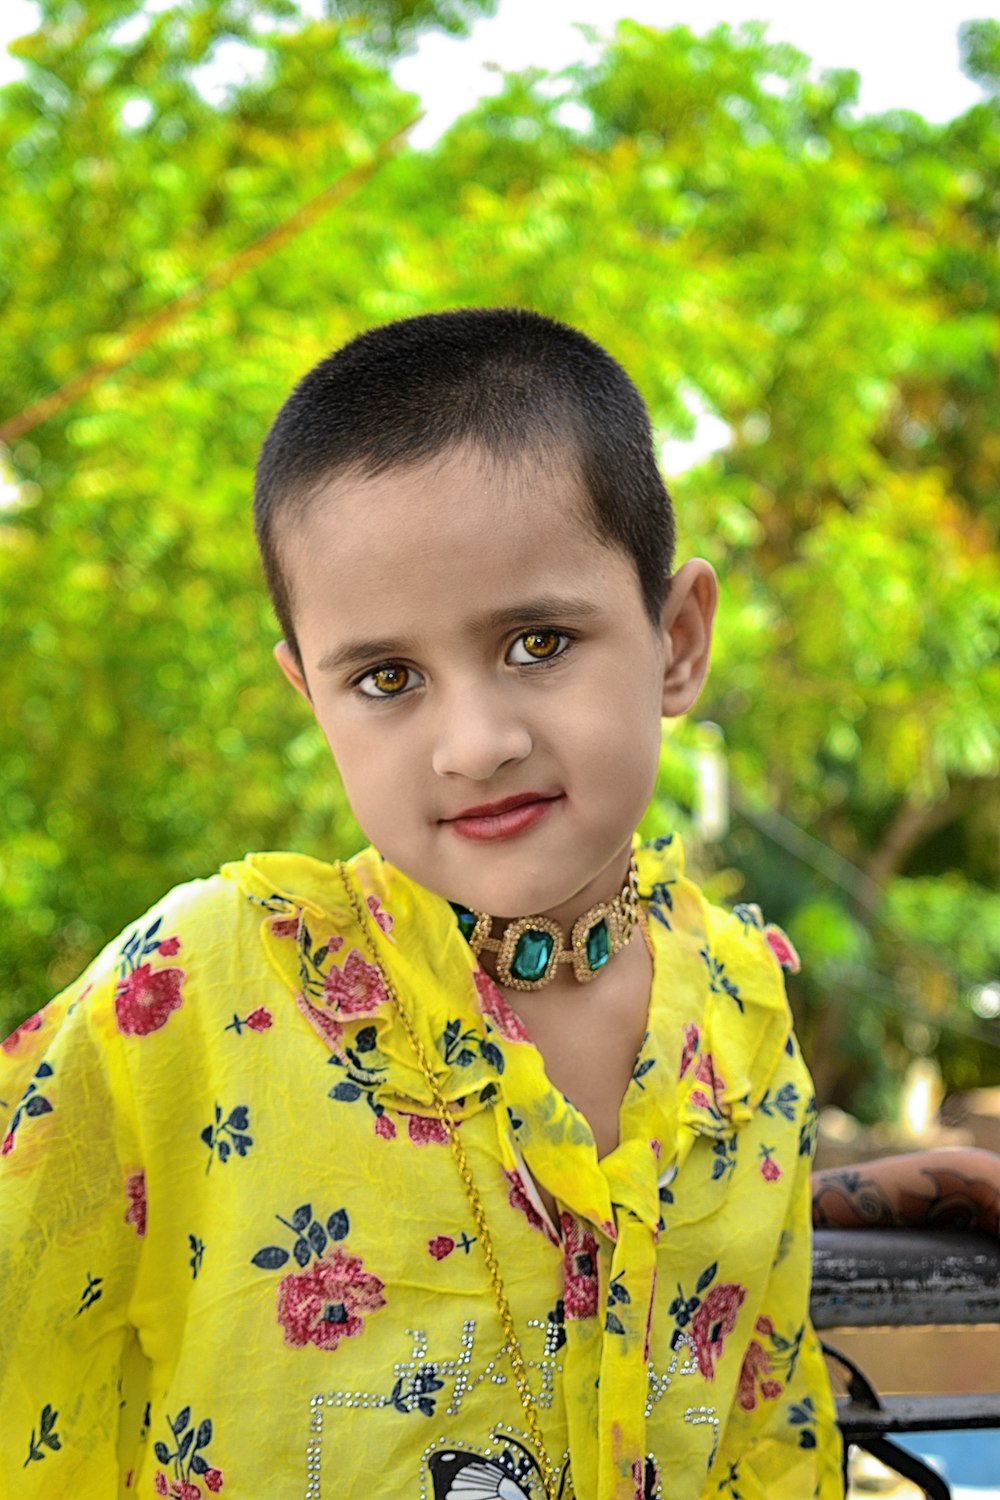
point(782, 1440)
point(72, 1224)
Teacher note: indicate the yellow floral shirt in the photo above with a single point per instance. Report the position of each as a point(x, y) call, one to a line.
point(237, 1258)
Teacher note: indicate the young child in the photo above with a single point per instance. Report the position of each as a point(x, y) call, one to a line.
point(457, 1171)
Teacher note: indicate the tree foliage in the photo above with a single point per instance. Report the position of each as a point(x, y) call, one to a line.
point(733, 231)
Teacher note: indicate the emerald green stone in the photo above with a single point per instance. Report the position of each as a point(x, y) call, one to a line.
point(466, 920)
point(532, 955)
point(598, 945)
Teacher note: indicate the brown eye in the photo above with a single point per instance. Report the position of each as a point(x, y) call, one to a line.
point(537, 645)
point(388, 681)
point(541, 643)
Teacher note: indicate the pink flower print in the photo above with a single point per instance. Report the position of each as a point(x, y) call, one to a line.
point(259, 1019)
point(756, 1371)
point(493, 1003)
point(709, 1097)
point(329, 1301)
point(440, 1246)
point(714, 1320)
point(769, 1169)
point(286, 927)
point(518, 1198)
point(176, 1489)
point(379, 914)
point(33, 1023)
point(145, 1001)
point(186, 1463)
point(426, 1130)
point(783, 949)
point(692, 1041)
point(8, 1144)
point(135, 1192)
point(580, 1269)
point(385, 1128)
point(705, 1073)
point(330, 1030)
point(169, 947)
point(656, 1147)
point(356, 989)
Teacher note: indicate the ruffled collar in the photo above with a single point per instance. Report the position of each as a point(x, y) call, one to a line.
point(312, 940)
point(711, 1048)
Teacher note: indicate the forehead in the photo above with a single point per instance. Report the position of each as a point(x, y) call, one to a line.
point(413, 548)
point(467, 477)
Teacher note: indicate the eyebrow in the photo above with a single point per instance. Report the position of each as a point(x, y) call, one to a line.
point(550, 609)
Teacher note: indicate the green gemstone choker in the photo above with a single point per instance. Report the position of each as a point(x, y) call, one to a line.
point(531, 948)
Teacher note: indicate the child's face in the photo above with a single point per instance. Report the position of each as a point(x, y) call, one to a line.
point(466, 640)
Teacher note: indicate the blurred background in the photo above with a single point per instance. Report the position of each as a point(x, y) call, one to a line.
point(785, 229)
point(797, 263)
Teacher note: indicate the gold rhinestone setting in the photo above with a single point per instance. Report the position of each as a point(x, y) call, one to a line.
point(618, 915)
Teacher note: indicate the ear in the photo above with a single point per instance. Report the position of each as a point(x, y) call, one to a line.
point(688, 613)
point(292, 668)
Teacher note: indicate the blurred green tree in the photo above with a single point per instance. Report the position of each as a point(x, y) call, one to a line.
point(736, 234)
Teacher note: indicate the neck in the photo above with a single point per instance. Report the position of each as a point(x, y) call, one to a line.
point(605, 886)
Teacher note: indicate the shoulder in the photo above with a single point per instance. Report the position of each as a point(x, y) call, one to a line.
point(731, 960)
point(740, 934)
point(198, 910)
point(140, 976)
point(211, 920)
point(200, 921)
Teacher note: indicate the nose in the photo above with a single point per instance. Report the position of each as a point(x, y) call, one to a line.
point(477, 734)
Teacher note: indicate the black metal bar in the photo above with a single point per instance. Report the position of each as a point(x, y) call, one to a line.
point(866, 1278)
point(908, 1466)
point(869, 1278)
point(917, 1414)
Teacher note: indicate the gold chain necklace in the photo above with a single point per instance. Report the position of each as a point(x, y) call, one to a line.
point(511, 1342)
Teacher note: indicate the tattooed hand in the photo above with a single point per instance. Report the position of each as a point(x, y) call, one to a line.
point(952, 1188)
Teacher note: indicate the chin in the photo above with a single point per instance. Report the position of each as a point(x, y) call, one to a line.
point(507, 903)
point(495, 897)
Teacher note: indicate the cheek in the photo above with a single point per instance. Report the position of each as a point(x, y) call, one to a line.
point(634, 746)
point(617, 748)
point(621, 712)
point(375, 764)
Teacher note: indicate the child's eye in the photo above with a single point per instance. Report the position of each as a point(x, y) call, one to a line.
point(537, 645)
point(390, 680)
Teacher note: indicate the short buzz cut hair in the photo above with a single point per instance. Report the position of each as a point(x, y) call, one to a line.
point(506, 381)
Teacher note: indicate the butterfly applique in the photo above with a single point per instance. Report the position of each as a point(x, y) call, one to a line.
point(467, 1476)
point(470, 1476)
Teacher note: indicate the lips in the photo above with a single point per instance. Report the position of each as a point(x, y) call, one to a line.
point(505, 818)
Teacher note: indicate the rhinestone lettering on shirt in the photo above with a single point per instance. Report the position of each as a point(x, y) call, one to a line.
point(421, 1374)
